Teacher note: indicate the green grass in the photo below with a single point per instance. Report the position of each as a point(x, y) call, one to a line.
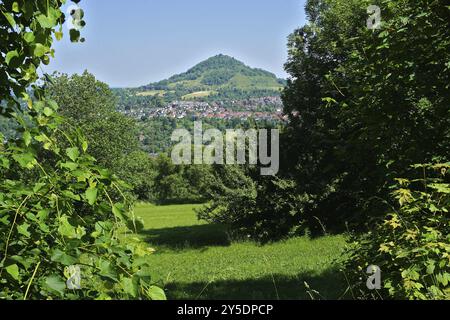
point(195, 260)
point(151, 93)
point(198, 94)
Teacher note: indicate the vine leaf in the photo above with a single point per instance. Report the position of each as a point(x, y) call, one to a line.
point(10, 56)
point(73, 153)
point(13, 271)
point(156, 293)
point(55, 283)
point(91, 195)
point(10, 18)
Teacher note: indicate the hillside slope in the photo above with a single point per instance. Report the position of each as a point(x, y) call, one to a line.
point(220, 76)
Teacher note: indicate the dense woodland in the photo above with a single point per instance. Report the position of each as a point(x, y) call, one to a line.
point(365, 152)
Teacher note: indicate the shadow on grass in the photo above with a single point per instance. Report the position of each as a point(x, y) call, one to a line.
point(330, 285)
point(178, 238)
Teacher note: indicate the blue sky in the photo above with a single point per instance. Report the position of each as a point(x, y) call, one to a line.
point(135, 42)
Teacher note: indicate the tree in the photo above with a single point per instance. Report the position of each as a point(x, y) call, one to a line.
point(181, 184)
point(91, 106)
point(140, 172)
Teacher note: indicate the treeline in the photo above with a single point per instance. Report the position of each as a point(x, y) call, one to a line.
point(129, 99)
point(239, 94)
point(155, 133)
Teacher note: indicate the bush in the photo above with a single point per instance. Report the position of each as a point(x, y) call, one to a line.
point(412, 244)
point(243, 204)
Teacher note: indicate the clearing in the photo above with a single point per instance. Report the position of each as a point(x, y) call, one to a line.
point(194, 260)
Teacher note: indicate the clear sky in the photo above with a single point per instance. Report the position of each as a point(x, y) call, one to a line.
point(134, 42)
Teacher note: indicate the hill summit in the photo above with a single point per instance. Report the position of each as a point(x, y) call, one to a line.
point(220, 76)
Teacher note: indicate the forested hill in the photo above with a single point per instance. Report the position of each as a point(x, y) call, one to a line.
point(220, 77)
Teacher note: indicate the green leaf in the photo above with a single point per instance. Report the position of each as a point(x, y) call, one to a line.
point(38, 105)
point(4, 162)
point(91, 195)
point(430, 268)
point(63, 258)
point(130, 287)
point(54, 14)
point(23, 229)
point(156, 293)
point(117, 212)
point(441, 187)
point(106, 270)
point(73, 153)
point(74, 35)
point(15, 7)
point(10, 18)
point(26, 138)
point(39, 50)
point(13, 271)
point(45, 21)
point(48, 111)
point(25, 160)
point(51, 103)
point(10, 56)
point(28, 9)
point(58, 35)
point(38, 186)
point(55, 283)
point(26, 263)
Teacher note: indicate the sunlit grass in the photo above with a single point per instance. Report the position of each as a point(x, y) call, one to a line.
point(195, 260)
point(151, 93)
point(198, 94)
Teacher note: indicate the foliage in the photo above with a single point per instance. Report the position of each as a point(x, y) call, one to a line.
point(156, 133)
point(7, 128)
point(378, 103)
point(412, 244)
point(181, 184)
point(394, 113)
point(57, 207)
point(363, 106)
point(128, 99)
point(240, 203)
point(65, 213)
point(90, 105)
point(138, 170)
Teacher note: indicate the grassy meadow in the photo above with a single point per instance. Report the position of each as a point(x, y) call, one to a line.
point(194, 260)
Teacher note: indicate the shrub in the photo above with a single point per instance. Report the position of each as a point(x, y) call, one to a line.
point(261, 208)
point(412, 244)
